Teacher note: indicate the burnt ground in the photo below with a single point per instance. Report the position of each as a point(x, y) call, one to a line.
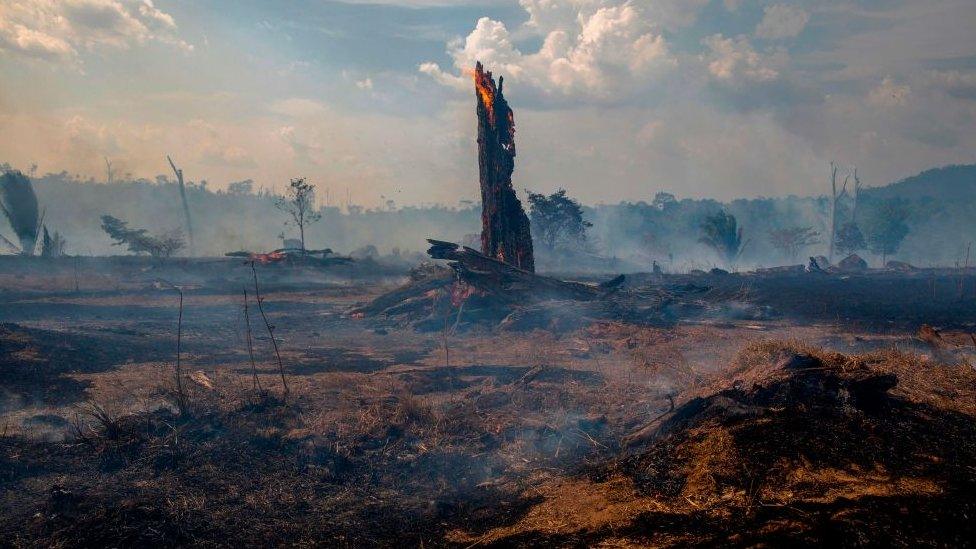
point(797, 409)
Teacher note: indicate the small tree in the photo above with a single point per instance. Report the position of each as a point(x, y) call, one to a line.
point(722, 233)
point(299, 203)
point(557, 219)
point(849, 239)
point(791, 240)
point(52, 246)
point(887, 227)
point(140, 241)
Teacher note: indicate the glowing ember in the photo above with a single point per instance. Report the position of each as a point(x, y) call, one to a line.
point(485, 87)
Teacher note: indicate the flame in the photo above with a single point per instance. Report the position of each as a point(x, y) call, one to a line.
point(272, 257)
point(485, 88)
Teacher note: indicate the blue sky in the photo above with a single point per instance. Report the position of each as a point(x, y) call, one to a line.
point(614, 99)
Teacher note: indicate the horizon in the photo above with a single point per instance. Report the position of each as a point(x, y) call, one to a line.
point(460, 204)
point(613, 100)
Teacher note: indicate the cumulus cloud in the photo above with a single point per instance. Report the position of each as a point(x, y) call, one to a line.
point(590, 50)
point(56, 30)
point(735, 61)
point(782, 21)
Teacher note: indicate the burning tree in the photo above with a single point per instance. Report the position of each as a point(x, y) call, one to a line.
point(19, 204)
point(791, 240)
point(299, 203)
point(140, 241)
point(722, 233)
point(558, 219)
point(505, 233)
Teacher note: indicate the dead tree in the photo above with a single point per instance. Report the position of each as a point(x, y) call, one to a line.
point(857, 194)
point(834, 197)
point(505, 233)
point(186, 205)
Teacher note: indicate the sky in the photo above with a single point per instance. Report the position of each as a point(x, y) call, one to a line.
point(613, 99)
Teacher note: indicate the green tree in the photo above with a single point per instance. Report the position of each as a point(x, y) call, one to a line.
point(849, 239)
point(140, 241)
point(790, 240)
point(721, 232)
point(19, 205)
point(887, 227)
point(557, 220)
point(299, 203)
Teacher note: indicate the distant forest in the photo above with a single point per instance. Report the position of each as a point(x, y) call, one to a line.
point(940, 205)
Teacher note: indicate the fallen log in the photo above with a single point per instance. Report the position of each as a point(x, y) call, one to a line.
point(510, 283)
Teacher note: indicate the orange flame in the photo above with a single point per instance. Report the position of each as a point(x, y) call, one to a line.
point(272, 257)
point(485, 88)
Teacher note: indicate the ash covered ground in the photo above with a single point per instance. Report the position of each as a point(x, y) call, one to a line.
point(754, 410)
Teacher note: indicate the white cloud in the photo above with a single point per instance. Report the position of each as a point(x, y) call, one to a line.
point(56, 30)
point(604, 53)
point(734, 61)
point(889, 93)
point(366, 84)
point(782, 21)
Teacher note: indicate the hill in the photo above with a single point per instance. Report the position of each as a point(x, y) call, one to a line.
point(948, 183)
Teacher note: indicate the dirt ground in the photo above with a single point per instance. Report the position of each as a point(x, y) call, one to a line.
point(704, 431)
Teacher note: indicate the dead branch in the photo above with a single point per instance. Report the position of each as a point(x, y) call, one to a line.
point(250, 346)
point(270, 327)
point(180, 391)
point(186, 205)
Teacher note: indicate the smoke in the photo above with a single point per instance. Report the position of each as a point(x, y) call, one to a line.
point(625, 237)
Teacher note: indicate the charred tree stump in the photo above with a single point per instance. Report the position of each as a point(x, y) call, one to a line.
point(505, 231)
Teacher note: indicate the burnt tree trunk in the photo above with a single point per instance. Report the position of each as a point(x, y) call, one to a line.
point(505, 231)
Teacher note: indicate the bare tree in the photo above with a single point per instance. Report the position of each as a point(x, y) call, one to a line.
point(834, 197)
point(857, 194)
point(299, 203)
point(186, 205)
point(109, 171)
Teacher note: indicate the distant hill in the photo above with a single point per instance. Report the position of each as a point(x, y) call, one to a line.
point(949, 183)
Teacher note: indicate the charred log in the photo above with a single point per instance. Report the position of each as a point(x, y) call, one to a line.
point(509, 283)
point(505, 233)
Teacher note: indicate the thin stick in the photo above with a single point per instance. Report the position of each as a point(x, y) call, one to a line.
point(180, 393)
point(250, 347)
point(274, 342)
point(447, 349)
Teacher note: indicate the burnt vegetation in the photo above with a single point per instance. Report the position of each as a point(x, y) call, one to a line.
point(638, 374)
